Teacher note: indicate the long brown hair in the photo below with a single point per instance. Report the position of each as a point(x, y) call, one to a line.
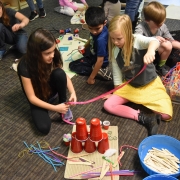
point(155, 12)
point(5, 17)
point(39, 41)
point(123, 24)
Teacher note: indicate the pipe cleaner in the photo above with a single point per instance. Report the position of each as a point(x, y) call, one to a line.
point(46, 155)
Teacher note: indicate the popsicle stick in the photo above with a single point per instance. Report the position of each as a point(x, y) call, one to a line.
point(86, 160)
point(80, 163)
point(81, 155)
point(103, 170)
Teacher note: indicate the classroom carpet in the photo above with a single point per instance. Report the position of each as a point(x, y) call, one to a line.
point(17, 128)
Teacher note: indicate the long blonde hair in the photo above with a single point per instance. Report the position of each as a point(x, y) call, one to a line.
point(123, 24)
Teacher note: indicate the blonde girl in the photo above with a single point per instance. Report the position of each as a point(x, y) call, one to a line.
point(129, 53)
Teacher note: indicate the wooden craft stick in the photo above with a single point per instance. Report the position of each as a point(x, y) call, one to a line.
point(80, 39)
point(92, 162)
point(103, 170)
point(80, 163)
point(162, 161)
point(81, 155)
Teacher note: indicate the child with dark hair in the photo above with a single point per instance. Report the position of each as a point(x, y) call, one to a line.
point(11, 30)
point(155, 16)
point(41, 76)
point(96, 61)
point(129, 53)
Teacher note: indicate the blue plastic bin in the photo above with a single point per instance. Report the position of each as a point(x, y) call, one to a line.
point(160, 177)
point(158, 141)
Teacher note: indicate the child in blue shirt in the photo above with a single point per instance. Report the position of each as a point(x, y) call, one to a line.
point(96, 61)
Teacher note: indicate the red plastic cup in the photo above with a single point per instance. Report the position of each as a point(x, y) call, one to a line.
point(106, 125)
point(95, 130)
point(67, 143)
point(103, 145)
point(89, 146)
point(57, 41)
point(82, 21)
point(61, 31)
point(81, 49)
point(76, 31)
point(76, 146)
point(81, 129)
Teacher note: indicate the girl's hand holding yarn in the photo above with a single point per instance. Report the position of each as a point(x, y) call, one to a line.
point(62, 108)
point(73, 97)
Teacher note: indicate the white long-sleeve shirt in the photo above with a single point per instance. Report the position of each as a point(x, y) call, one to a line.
point(140, 46)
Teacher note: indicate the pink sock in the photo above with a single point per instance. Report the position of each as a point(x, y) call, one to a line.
point(115, 105)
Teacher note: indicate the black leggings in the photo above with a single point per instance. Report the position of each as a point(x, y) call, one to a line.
point(40, 116)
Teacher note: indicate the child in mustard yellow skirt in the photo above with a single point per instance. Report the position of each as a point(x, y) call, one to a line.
point(129, 53)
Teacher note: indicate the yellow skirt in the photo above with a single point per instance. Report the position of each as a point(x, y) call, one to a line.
point(152, 96)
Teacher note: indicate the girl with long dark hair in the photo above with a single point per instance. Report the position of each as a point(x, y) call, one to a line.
point(41, 76)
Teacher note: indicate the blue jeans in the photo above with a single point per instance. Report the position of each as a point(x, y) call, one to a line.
point(131, 9)
point(32, 5)
point(19, 39)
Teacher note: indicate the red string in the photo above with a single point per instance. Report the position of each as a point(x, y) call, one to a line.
point(127, 146)
point(61, 155)
point(103, 95)
point(111, 171)
point(109, 92)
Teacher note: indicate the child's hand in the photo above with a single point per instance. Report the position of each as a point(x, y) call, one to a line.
point(16, 27)
point(62, 108)
point(81, 8)
point(149, 57)
point(73, 97)
point(160, 39)
point(90, 81)
point(86, 5)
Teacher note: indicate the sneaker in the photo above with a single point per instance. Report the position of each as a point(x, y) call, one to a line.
point(58, 9)
point(33, 16)
point(42, 13)
point(150, 121)
point(2, 52)
point(163, 70)
point(105, 73)
point(139, 20)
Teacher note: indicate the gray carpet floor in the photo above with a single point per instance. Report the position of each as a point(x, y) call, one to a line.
point(15, 118)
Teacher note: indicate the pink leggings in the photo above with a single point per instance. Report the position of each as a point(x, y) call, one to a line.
point(115, 105)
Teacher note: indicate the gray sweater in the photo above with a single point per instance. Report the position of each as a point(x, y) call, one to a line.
point(143, 29)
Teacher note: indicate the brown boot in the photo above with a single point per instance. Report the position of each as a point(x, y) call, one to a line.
point(150, 121)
